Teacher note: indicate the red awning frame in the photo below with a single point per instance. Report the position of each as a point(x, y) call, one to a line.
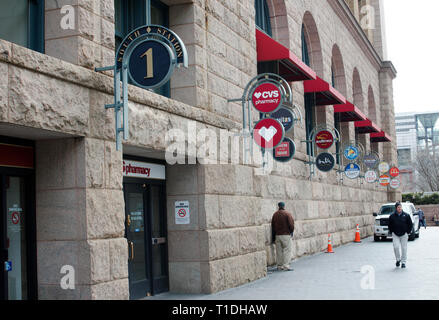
point(366, 126)
point(380, 137)
point(291, 68)
point(348, 112)
point(326, 95)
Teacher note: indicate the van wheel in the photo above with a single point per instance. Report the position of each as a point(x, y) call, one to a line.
point(376, 238)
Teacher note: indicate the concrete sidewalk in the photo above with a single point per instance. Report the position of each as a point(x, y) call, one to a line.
point(338, 276)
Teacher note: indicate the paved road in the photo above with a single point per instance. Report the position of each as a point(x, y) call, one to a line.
point(338, 276)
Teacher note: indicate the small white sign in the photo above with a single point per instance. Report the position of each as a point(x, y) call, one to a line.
point(395, 183)
point(182, 213)
point(145, 170)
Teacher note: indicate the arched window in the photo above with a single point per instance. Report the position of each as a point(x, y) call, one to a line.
point(336, 118)
point(131, 14)
point(309, 98)
point(263, 16)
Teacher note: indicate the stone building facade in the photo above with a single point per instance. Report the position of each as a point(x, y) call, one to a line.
point(55, 101)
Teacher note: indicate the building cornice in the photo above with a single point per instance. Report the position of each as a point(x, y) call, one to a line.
point(341, 8)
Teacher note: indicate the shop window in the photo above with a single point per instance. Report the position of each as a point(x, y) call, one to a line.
point(309, 97)
point(22, 22)
point(131, 14)
point(263, 16)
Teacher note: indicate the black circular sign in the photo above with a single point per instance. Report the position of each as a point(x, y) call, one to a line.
point(284, 151)
point(284, 116)
point(325, 162)
point(150, 64)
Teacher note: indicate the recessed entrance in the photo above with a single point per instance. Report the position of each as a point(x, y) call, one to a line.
point(17, 222)
point(145, 229)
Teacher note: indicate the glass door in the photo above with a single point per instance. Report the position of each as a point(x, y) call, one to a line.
point(138, 270)
point(146, 233)
point(159, 259)
point(13, 243)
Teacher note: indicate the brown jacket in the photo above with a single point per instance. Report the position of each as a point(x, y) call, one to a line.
point(282, 223)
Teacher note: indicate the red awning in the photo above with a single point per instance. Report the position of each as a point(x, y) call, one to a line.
point(291, 68)
point(380, 137)
point(348, 112)
point(326, 95)
point(366, 126)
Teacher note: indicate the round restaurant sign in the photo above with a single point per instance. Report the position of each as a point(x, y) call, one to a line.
point(384, 180)
point(324, 139)
point(351, 153)
point(383, 167)
point(394, 172)
point(370, 176)
point(285, 116)
point(268, 133)
point(285, 151)
point(395, 183)
point(267, 97)
point(371, 160)
point(325, 162)
point(352, 171)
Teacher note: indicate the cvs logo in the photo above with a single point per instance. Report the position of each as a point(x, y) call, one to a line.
point(270, 94)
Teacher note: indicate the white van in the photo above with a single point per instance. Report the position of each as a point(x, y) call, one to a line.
point(381, 228)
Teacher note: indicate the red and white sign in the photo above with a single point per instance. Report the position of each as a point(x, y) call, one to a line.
point(136, 169)
point(395, 183)
point(268, 133)
point(283, 150)
point(15, 217)
point(324, 139)
point(267, 98)
point(370, 176)
point(384, 180)
point(394, 172)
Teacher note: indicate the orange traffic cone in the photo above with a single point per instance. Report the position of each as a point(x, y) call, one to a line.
point(329, 245)
point(357, 235)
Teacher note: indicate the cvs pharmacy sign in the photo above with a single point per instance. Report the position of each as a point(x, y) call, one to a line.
point(267, 97)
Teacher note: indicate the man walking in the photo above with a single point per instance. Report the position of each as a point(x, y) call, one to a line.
point(422, 218)
point(282, 228)
point(400, 225)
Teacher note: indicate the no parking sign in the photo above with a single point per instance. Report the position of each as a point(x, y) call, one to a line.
point(182, 214)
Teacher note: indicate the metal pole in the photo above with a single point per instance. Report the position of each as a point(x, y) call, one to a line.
point(117, 107)
point(125, 101)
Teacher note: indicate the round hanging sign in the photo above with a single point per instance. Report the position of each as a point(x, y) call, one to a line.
point(325, 162)
point(285, 151)
point(151, 64)
point(324, 139)
point(384, 180)
point(267, 97)
point(352, 171)
point(394, 172)
point(383, 167)
point(371, 176)
point(371, 160)
point(351, 153)
point(395, 183)
point(285, 116)
point(268, 133)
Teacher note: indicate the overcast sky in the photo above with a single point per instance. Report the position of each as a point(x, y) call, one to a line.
point(412, 30)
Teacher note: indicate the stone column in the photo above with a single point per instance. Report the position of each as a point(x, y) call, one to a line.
point(80, 219)
point(80, 31)
point(387, 74)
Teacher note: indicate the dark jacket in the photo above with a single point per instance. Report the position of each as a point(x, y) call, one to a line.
point(400, 224)
point(282, 223)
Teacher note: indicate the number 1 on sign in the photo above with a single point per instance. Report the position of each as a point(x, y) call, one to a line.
point(149, 63)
